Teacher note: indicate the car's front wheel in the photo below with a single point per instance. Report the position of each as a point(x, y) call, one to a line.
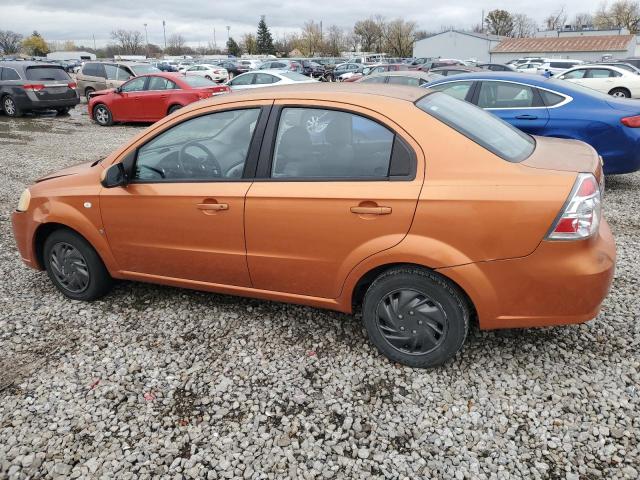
point(74, 267)
point(415, 317)
point(9, 106)
point(102, 115)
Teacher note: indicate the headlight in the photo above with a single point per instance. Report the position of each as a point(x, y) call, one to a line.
point(23, 203)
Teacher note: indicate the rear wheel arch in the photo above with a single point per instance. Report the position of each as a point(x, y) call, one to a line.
point(621, 89)
point(367, 279)
point(174, 107)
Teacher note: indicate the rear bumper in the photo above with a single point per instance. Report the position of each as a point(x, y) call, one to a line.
point(560, 283)
point(26, 102)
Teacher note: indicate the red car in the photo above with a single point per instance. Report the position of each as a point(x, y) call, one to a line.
point(371, 69)
point(148, 98)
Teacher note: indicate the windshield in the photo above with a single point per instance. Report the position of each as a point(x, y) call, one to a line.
point(483, 128)
point(296, 77)
point(47, 73)
point(194, 81)
point(143, 69)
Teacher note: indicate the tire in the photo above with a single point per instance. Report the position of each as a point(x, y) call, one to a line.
point(408, 299)
point(173, 108)
point(74, 266)
point(62, 111)
point(208, 77)
point(10, 107)
point(102, 115)
point(88, 91)
point(620, 93)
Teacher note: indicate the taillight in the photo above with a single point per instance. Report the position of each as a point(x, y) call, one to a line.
point(581, 214)
point(34, 87)
point(633, 122)
point(73, 85)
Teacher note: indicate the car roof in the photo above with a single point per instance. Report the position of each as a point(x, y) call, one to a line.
point(27, 63)
point(334, 92)
point(403, 73)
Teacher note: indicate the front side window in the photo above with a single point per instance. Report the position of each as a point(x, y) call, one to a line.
point(243, 80)
point(135, 85)
point(319, 143)
point(483, 128)
point(211, 147)
point(457, 90)
point(574, 74)
point(505, 95)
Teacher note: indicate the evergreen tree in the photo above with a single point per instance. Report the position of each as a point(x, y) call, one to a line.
point(233, 48)
point(264, 40)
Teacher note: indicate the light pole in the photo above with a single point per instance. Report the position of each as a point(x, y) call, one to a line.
point(146, 37)
point(228, 38)
point(164, 32)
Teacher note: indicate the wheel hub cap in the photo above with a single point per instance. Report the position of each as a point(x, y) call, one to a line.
point(69, 267)
point(8, 106)
point(411, 322)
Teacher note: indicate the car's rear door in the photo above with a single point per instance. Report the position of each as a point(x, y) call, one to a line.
point(517, 103)
point(182, 215)
point(327, 195)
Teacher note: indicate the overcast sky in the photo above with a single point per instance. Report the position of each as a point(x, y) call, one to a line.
point(80, 20)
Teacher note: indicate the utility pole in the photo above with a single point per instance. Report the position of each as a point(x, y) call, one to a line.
point(94, 42)
point(146, 37)
point(215, 44)
point(228, 32)
point(164, 31)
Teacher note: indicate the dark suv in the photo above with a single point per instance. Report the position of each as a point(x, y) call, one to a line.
point(32, 86)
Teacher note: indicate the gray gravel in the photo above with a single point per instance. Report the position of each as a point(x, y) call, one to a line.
point(155, 381)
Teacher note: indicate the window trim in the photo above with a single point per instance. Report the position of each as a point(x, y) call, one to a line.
point(567, 98)
point(267, 150)
point(250, 162)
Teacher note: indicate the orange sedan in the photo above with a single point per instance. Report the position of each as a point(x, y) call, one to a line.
point(423, 211)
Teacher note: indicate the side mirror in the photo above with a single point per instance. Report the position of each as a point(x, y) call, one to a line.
point(115, 176)
point(118, 90)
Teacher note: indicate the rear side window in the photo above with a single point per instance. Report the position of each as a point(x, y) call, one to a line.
point(9, 74)
point(479, 126)
point(378, 79)
point(160, 83)
point(318, 143)
point(457, 90)
point(265, 78)
point(47, 73)
point(196, 82)
point(505, 95)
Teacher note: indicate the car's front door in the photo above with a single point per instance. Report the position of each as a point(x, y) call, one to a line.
point(125, 104)
point(519, 104)
point(322, 201)
point(182, 215)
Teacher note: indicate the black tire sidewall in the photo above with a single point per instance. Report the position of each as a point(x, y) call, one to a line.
point(109, 120)
point(173, 109)
point(87, 92)
point(620, 90)
point(437, 289)
point(99, 279)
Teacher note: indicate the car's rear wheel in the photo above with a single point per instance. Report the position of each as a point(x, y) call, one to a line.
point(9, 106)
point(87, 92)
point(74, 266)
point(415, 317)
point(620, 93)
point(102, 115)
point(174, 108)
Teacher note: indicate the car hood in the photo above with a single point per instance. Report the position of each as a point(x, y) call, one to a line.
point(75, 170)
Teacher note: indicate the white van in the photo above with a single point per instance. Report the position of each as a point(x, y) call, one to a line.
point(554, 66)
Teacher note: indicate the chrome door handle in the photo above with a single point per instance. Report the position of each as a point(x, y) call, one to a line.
point(371, 210)
point(213, 206)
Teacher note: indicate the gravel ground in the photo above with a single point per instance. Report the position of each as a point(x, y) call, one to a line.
point(155, 381)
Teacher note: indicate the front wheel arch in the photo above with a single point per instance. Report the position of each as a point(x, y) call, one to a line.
point(621, 89)
point(44, 231)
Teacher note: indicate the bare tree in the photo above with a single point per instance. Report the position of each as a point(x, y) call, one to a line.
point(128, 41)
point(10, 42)
point(399, 37)
point(368, 32)
point(335, 41)
point(523, 26)
point(311, 38)
point(176, 44)
point(249, 44)
point(556, 20)
point(602, 18)
point(352, 41)
point(422, 34)
point(626, 14)
point(582, 20)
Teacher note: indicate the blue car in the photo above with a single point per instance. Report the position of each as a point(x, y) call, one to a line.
point(556, 108)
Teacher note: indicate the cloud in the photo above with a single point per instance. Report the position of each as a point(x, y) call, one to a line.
point(81, 20)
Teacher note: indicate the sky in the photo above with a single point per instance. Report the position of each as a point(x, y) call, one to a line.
point(195, 20)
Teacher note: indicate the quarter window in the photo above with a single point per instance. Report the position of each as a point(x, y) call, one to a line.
point(318, 143)
point(135, 85)
point(207, 148)
point(505, 95)
point(10, 74)
point(550, 99)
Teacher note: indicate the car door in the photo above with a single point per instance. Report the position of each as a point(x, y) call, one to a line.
point(575, 76)
point(601, 79)
point(153, 100)
point(519, 104)
point(126, 104)
point(322, 201)
point(182, 215)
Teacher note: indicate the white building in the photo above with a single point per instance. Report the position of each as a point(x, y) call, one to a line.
point(457, 44)
point(70, 56)
point(585, 47)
